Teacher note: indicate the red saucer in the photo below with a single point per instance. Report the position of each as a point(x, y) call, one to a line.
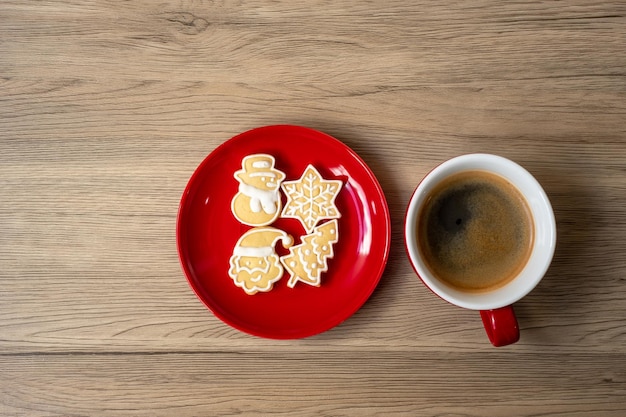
point(207, 232)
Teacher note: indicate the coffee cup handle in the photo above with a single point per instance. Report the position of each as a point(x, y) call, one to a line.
point(501, 325)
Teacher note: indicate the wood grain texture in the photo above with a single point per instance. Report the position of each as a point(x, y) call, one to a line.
point(107, 107)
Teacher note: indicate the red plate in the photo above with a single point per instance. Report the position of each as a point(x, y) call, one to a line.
point(207, 232)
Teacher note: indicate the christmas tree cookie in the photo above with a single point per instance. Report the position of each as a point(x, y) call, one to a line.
point(306, 261)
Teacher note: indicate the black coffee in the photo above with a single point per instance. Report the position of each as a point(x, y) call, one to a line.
point(475, 231)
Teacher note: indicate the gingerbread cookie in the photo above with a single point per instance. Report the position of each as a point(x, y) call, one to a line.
point(258, 201)
point(306, 261)
point(311, 198)
point(254, 264)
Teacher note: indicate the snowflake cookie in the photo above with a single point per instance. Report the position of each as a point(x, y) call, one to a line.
point(306, 261)
point(311, 198)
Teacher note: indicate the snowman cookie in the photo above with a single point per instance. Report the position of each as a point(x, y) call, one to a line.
point(258, 201)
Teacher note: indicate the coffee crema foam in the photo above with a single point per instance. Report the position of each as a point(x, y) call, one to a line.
point(475, 231)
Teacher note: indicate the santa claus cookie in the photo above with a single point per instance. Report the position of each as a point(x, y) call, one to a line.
point(258, 201)
point(306, 261)
point(311, 199)
point(254, 264)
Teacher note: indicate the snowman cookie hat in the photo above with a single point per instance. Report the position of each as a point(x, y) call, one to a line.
point(260, 241)
point(259, 165)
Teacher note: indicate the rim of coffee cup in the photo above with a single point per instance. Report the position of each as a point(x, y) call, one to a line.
point(544, 224)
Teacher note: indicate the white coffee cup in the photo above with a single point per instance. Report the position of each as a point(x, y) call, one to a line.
point(495, 305)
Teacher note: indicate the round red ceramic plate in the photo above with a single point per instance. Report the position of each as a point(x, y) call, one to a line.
point(207, 233)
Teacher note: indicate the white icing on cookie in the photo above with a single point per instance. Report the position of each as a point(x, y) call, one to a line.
point(258, 200)
point(311, 198)
point(254, 264)
point(307, 261)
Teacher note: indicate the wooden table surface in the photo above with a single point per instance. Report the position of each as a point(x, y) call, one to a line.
point(107, 107)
